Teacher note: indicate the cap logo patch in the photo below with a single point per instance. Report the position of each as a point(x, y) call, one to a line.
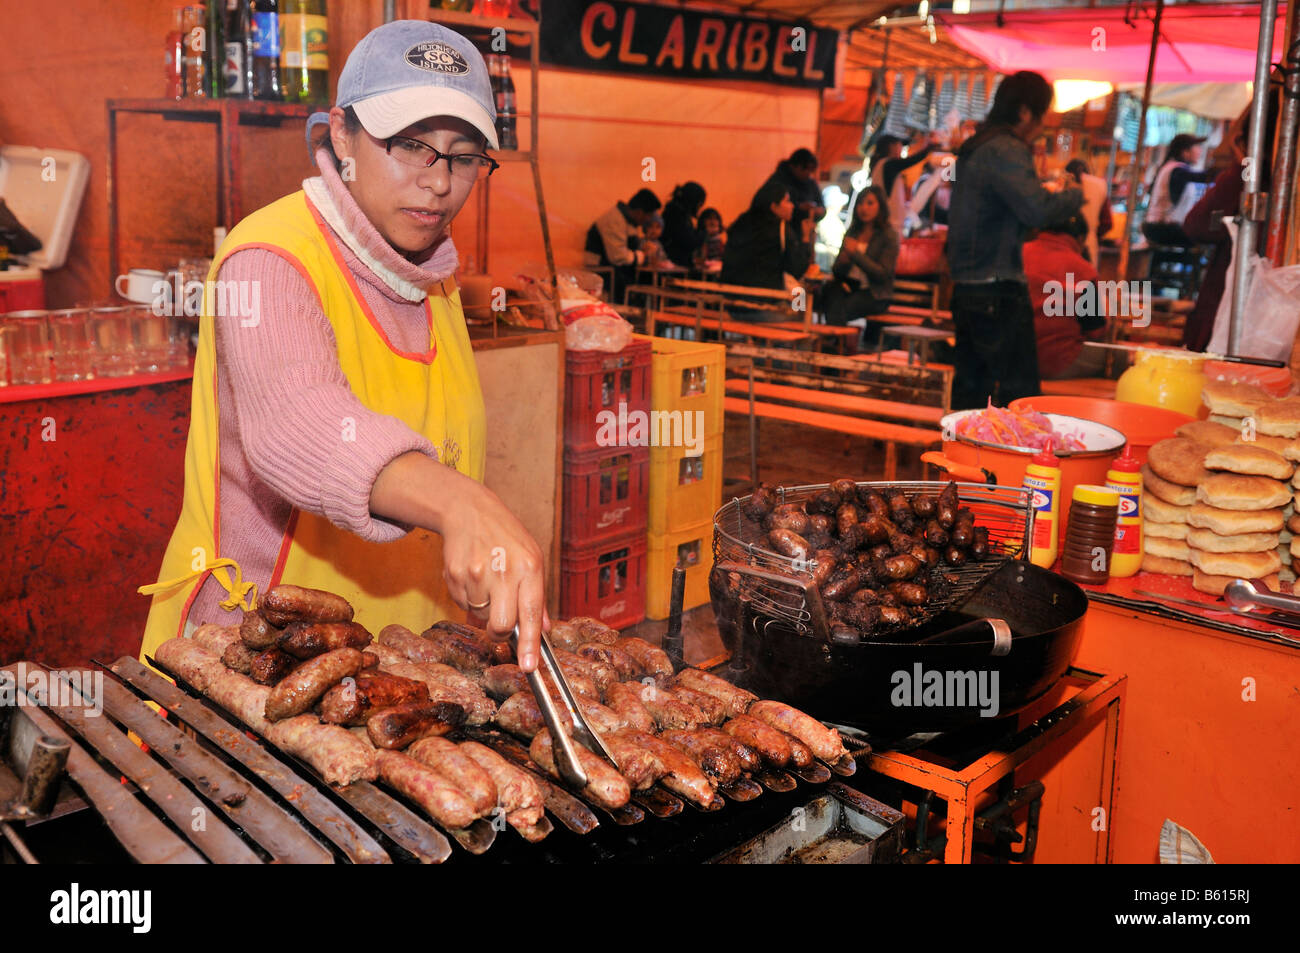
point(437, 57)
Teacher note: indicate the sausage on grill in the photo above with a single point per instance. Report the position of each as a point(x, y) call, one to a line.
point(303, 687)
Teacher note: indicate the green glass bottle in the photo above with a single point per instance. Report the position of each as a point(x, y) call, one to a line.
point(304, 51)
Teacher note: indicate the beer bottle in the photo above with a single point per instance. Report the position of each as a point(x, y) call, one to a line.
point(175, 62)
point(214, 49)
point(265, 49)
point(238, 65)
point(304, 51)
point(196, 45)
point(506, 134)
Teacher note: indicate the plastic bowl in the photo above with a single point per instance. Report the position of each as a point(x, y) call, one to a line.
point(1140, 424)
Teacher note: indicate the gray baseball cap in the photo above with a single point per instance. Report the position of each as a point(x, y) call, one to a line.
point(409, 70)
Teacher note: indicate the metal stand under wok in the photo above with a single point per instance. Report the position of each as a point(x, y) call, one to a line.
point(962, 778)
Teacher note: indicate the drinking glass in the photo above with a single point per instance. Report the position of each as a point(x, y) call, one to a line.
point(114, 356)
point(150, 339)
point(29, 346)
point(73, 344)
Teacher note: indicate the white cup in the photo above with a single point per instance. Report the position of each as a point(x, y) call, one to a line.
point(142, 285)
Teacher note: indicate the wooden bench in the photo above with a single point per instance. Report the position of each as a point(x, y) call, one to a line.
point(918, 340)
point(836, 402)
point(842, 335)
point(890, 434)
point(761, 332)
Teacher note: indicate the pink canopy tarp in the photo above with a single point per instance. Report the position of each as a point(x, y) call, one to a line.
point(1203, 44)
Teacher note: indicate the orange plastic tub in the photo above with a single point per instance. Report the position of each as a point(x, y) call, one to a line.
point(1140, 424)
point(1276, 380)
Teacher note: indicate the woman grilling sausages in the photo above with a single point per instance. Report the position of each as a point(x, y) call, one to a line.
point(337, 434)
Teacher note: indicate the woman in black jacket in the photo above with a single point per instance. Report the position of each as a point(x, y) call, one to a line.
point(762, 247)
point(864, 269)
point(681, 238)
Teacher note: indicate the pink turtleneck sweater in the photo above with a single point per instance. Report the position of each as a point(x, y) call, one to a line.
point(282, 394)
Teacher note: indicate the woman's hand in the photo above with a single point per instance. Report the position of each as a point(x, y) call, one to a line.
point(489, 559)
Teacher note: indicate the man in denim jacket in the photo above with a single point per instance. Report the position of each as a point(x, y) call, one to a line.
point(996, 200)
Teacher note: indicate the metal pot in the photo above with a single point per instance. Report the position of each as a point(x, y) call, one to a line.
point(881, 687)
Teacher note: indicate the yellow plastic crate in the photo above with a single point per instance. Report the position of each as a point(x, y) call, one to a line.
point(693, 548)
point(688, 376)
point(684, 490)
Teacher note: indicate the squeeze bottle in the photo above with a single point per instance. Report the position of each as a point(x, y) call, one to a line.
point(1124, 478)
point(1043, 477)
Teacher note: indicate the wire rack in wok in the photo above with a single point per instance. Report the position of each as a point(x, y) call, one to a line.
point(1005, 511)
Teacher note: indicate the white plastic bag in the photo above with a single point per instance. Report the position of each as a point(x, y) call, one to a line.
point(1272, 312)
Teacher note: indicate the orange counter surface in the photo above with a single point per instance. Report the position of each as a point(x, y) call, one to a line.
point(1209, 733)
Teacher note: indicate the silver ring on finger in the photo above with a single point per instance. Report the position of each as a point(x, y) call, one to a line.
point(480, 606)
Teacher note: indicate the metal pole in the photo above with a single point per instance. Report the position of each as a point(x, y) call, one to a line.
point(1279, 205)
point(1135, 167)
point(390, 11)
point(1251, 210)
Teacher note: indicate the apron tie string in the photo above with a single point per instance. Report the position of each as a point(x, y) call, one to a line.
point(242, 595)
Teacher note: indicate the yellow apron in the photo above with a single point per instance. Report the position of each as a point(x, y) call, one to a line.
point(436, 394)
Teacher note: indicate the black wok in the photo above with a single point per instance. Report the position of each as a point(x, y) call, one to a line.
point(878, 687)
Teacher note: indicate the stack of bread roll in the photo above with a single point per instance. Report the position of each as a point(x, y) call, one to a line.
point(1218, 500)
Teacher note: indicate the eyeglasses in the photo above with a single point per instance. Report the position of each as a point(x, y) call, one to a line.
point(419, 155)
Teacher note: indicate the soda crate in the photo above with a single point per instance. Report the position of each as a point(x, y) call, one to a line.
point(605, 493)
point(688, 376)
point(685, 490)
point(692, 549)
point(605, 581)
point(597, 381)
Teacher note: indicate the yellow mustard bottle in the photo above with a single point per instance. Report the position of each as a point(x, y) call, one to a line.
point(1124, 477)
point(1043, 477)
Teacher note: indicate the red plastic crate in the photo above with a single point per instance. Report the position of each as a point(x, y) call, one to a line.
point(606, 491)
point(605, 581)
point(601, 380)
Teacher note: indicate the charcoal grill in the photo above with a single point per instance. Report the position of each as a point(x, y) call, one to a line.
point(207, 790)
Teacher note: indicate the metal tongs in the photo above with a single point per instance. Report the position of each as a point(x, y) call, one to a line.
point(566, 756)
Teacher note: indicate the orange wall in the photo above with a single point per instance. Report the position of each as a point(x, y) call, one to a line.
point(56, 72)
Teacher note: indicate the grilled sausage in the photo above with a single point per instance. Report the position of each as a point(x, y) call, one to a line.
point(761, 502)
point(681, 775)
point(271, 666)
point(788, 544)
point(398, 726)
point(825, 561)
point(717, 761)
point(600, 673)
point(946, 511)
point(820, 524)
point(624, 665)
point(870, 497)
point(639, 766)
point(256, 632)
point(900, 510)
point(894, 615)
point(498, 650)
point(715, 712)
point(306, 640)
point(909, 593)
point(842, 585)
point(353, 699)
point(459, 649)
point(282, 604)
point(238, 656)
point(924, 506)
point(824, 742)
point(605, 786)
point(873, 529)
point(625, 699)
point(403, 640)
point(772, 744)
point(439, 798)
point(303, 687)
point(900, 567)
point(736, 699)
point(845, 488)
point(935, 534)
point(824, 503)
point(518, 795)
point(801, 755)
point(502, 681)
point(846, 515)
point(979, 547)
point(789, 516)
point(748, 758)
point(460, 769)
point(669, 711)
point(652, 659)
point(954, 556)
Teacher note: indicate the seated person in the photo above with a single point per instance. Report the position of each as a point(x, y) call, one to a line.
point(1177, 187)
point(681, 239)
point(1064, 312)
point(651, 246)
point(765, 251)
point(615, 239)
point(863, 274)
point(713, 237)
